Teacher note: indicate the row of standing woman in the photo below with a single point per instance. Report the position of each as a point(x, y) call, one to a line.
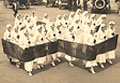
point(80, 27)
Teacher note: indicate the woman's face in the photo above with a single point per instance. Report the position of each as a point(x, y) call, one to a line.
point(19, 17)
point(92, 32)
point(9, 29)
point(53, 28)
point(28, 20)
point(103, 28)
point(78, 12)
point(26, 17)
point(46, 16)
point(59, 17)
point(65, 17)
point(112, 26)
point(16, 30)
point(33, 14)
point(40, 30)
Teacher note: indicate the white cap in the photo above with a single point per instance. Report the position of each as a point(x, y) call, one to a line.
point(79, 10)
point(72, 13)
point(17, 15)
point(111, 23)
point(64, 15)
point(93, 15)
point(59, 16)
point(9, 26)
point(33, 12)
point(85, 13)
point(104, 16)
point(46, 14)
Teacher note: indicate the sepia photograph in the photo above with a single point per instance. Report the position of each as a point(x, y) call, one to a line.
point(59, 41)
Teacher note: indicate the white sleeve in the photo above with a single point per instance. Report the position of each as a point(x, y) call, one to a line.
point(5, 35)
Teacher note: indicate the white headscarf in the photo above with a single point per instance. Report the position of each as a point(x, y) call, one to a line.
point(34, 18)
point(46, 19)
point(58, 20)
point(17, 20)
point(72, 18)
point(84, 17)
point(101, 19)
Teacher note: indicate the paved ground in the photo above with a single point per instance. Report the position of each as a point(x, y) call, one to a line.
point(61, 73)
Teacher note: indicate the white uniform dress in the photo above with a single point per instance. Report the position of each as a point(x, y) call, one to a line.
point(69, 37)
point(11, 36)
point(85, 30)
point(90, 42)
point(23, 43)
point(52, 35)
point(100, 38)
point(110, 33)
point(41, 40)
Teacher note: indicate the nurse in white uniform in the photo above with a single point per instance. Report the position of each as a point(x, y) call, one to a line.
point(110, 33)
point(52, 36)
point(24, 43)
point(90, 41)
point(70, 37)
point(40, 39)
point(101, 36)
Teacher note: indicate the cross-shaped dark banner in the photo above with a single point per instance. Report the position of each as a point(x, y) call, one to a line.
point(74, 49)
